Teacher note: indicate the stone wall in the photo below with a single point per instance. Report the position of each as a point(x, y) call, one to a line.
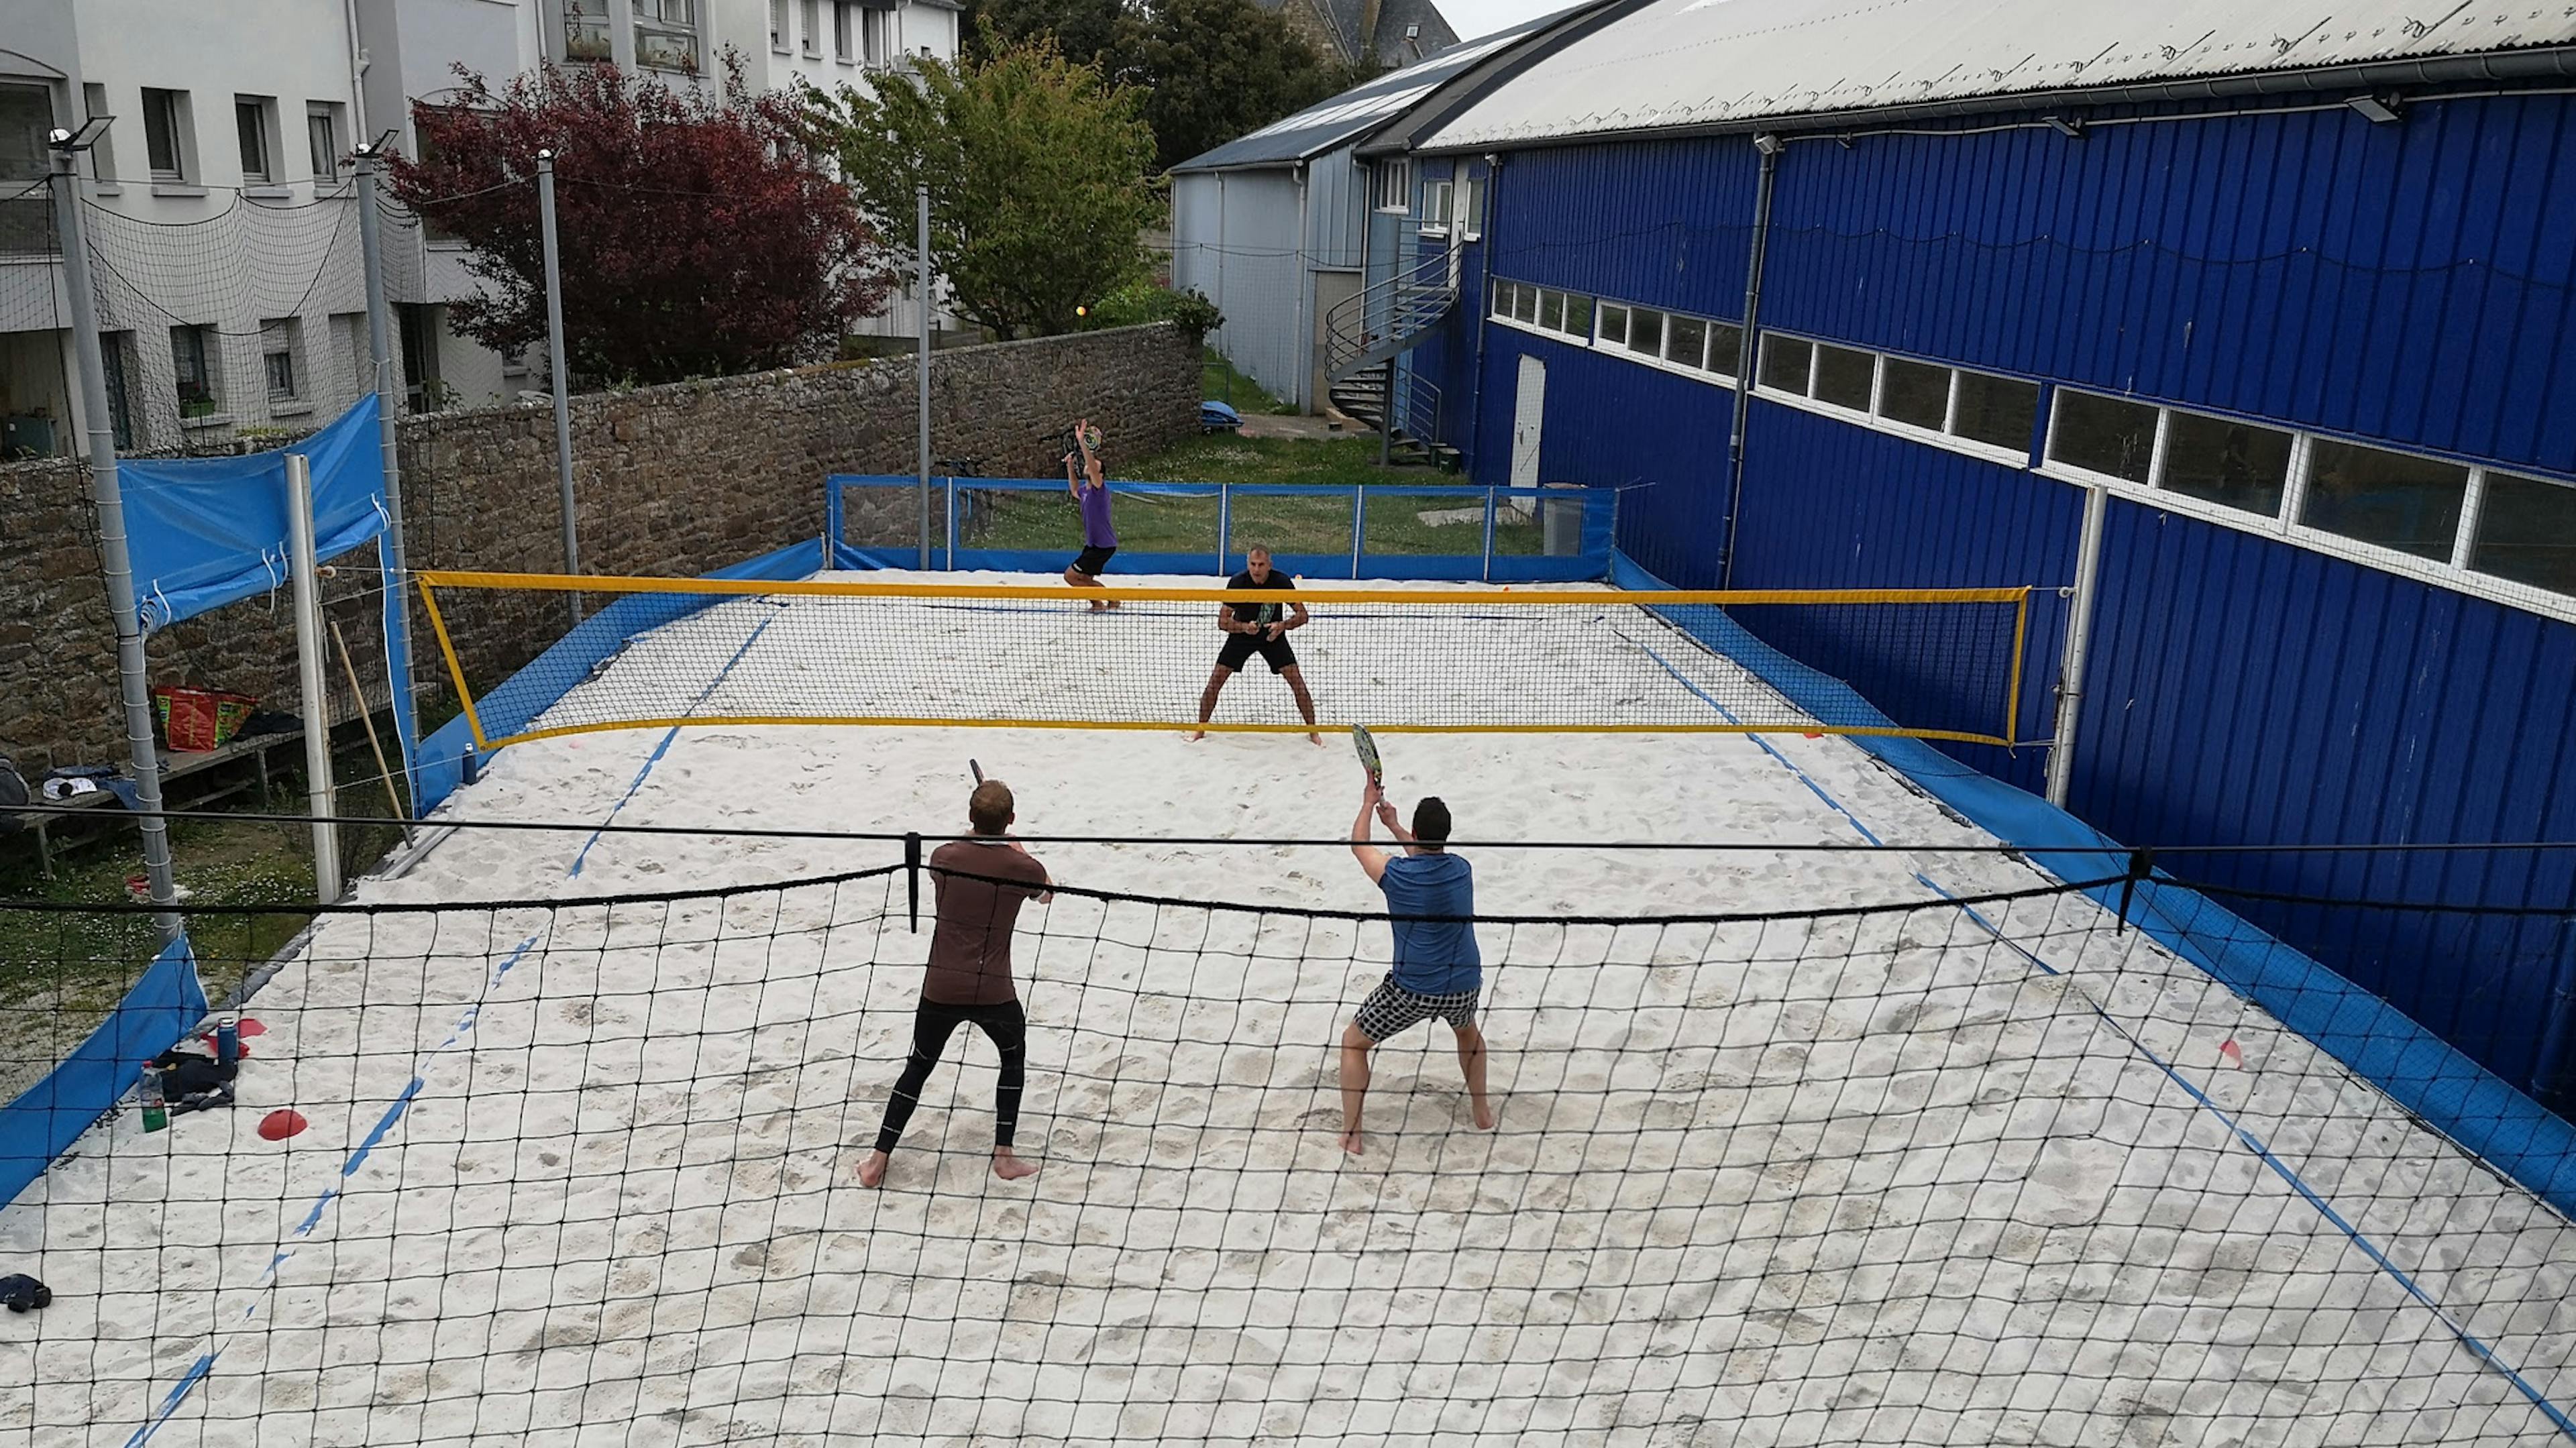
point(679, 480)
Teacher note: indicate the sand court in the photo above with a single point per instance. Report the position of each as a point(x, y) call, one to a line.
point(1791, 1150)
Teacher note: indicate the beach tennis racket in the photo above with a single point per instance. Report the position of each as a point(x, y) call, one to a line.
point(1366, 744)
point(976, 770)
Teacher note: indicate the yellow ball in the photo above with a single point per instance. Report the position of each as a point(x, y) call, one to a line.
point(1082, 311)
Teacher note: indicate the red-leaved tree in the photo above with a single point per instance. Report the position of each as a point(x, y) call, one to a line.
point(698, 236)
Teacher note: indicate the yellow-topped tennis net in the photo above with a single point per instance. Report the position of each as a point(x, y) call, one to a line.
point(659, 652)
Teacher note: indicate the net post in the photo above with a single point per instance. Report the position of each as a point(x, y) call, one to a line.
point(1359, 526)
point(952, 519)
point(1489, 535)
point(831, 518)
point(1224, 523)
point(912, 878)
point(2142, 865)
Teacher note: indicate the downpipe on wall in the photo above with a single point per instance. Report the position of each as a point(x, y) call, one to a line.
point(1770, 146)
point(2079, 637)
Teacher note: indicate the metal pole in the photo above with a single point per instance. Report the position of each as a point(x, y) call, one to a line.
point(310, 677)
point(1746, 358)
point(555, 364)
point(2079, 629)
point(1224, 523)
point(380, 349)
point(1359, 525)
point(921, 251)
point(115, 566)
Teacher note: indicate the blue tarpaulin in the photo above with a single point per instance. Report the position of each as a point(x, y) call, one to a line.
point(204, 532)
point(162, 1008)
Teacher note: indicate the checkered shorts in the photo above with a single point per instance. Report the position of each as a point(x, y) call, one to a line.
point(1391, 1010)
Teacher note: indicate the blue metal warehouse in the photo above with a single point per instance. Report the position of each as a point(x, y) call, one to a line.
point(2252, 331)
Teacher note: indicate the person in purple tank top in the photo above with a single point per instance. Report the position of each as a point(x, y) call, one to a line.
point(1099, 539)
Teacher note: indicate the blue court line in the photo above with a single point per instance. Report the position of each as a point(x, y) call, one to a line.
point(2263, 1153)
point(204, 1366)
point(664, 747)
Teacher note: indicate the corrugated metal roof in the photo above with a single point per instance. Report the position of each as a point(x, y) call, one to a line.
point(1326, 124)
point(1709, 62)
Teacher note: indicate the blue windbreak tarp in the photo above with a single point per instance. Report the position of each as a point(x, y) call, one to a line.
point(41, 1124)
point(204, 532)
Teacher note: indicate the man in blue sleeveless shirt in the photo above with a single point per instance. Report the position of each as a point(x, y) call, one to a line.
point(1437, 972)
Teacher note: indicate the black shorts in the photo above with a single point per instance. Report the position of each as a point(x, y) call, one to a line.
point(1239, 649)
point(1093, 558)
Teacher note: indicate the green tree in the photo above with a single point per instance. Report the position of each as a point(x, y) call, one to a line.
point(1096, 33)
point(1038, 174)
point(1222, 68)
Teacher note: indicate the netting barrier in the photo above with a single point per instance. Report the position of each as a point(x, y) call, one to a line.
point(1935, 1171)
point(828, 651)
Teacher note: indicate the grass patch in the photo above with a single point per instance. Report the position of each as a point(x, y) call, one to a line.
point(1250, 398)
point(61, 973)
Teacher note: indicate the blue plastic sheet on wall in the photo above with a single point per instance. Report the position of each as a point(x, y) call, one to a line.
point(42, 1123)
point(512, 704)
point(2417, 1069)
point(204, 532)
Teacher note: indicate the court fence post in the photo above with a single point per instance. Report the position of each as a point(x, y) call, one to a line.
point(1489, 535)
point(1224, 523)
point(912, 878)
point(1359, 525)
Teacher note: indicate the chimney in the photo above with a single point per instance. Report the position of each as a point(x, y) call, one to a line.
point(1367, 38)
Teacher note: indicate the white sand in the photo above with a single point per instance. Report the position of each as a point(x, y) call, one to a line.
point(1856, 1180)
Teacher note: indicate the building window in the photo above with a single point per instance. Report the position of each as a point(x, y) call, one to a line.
point(1916, 394)
point(1391, 185)
point(586, 31)
point(1686, 342)
point(281, 342)
point(254, 120)
point(845, 38)
point(1471, 208)
point(2527, 532)
point(882, 36)
point(322, 138)
point(2396, 500)
point(193, 351)
point(813, 16)
point(165, 131)
point(781, 38)
point(26, 116)
point(1844, 378)
point(2103, 435)
point(1436, 196)
point(1786, 362)
point(1997, 411)
point(2224, 461)
point(666, 34)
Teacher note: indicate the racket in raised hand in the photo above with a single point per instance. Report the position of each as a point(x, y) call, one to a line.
point(1365, 744)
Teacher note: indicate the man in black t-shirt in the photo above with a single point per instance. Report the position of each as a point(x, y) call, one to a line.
point(1259, 628)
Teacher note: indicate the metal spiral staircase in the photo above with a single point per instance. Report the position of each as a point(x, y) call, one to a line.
point(1365, 335)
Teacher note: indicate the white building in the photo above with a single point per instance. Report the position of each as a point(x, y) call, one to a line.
point(222, 223)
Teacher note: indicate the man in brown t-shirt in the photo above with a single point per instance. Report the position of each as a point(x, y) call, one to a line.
point(980, 881)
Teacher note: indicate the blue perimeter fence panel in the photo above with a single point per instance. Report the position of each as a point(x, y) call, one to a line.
point(156, 1014)
point(1576, 528)
point(2421, 1072)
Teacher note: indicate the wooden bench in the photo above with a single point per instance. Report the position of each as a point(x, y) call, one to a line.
point(176, 766)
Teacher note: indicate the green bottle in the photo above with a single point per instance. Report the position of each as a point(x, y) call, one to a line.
point(156, 1114)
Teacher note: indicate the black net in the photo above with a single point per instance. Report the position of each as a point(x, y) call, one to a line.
point(1939, 1171)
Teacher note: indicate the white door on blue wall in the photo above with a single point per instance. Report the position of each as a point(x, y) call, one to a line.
point(1529, 408)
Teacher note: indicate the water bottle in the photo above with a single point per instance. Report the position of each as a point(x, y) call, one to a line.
point(228, 1039)
point(156, 1114)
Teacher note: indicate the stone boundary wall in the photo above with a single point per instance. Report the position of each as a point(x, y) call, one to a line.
point(678, 479)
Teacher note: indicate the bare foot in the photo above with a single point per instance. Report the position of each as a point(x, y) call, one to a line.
point(1484, 1117)
point(1194, 736)
point(872, 1169)
point(1315, 739)
point(1351, 1142)
point(1098, 607)
point(1113, 603)
point(1010, 1168)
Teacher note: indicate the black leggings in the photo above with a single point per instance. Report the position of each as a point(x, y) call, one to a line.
point(931, 1027)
